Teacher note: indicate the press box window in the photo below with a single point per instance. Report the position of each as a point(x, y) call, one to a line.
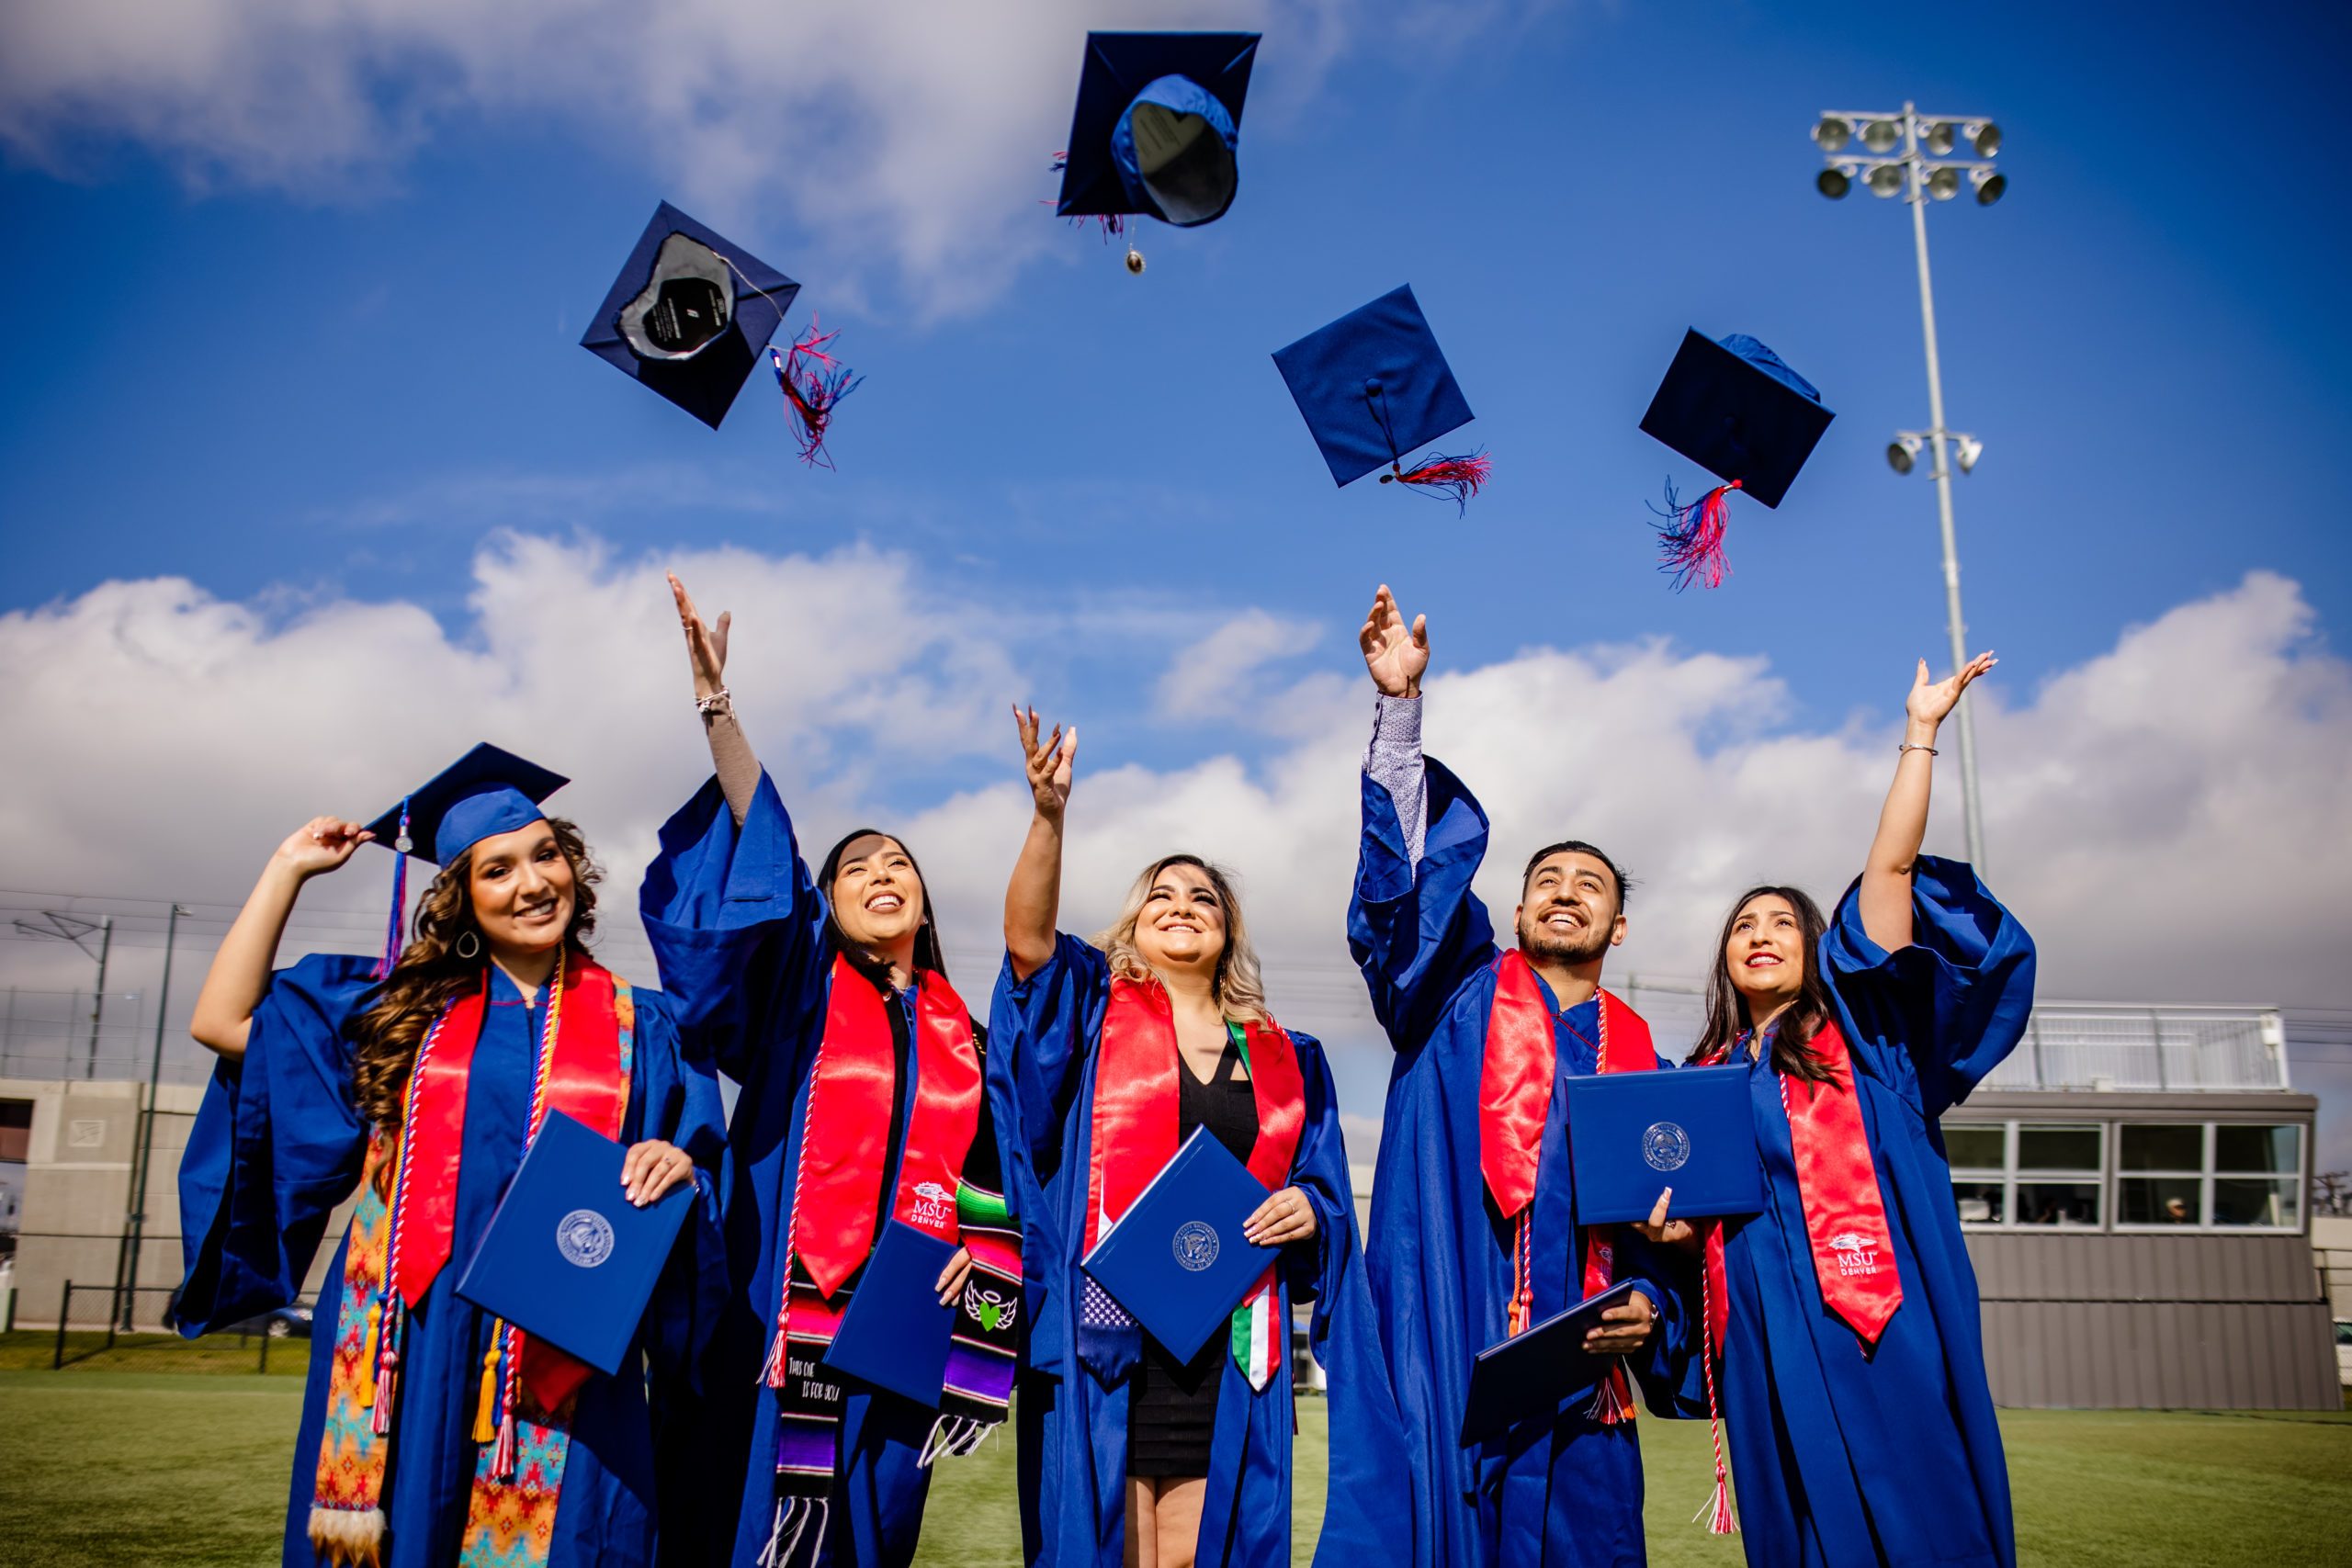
point(2027, 1173)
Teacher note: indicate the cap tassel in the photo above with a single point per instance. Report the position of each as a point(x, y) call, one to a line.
point(486, 1399)
point(813, 382)
point(1458, 479)
point(1690, 542)
point(1610, 1406)
point(401, 847)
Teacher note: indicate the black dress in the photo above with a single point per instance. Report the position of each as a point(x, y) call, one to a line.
point(1171, 1407)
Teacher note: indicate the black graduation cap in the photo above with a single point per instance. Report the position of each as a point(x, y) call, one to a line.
point(1372, 387)
point(1158, 118)
point(1737, 410)
point(485, 791)
point(689, 314)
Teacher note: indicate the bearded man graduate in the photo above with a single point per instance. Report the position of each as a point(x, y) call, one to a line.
point(1472, 1236)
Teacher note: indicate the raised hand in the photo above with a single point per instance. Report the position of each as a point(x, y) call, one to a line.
point(706, 645)
point(1048, 763)
point(320, 845)
point(1394, 655)
point(1931, 700)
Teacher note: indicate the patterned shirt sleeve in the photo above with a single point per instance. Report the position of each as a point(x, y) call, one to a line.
point(1393, 761)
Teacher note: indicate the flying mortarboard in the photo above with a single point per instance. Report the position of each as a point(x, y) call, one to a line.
point(688, 316)
point(1372, 387)
point(485, 791)
point(1154, 134)
point(1737, 410)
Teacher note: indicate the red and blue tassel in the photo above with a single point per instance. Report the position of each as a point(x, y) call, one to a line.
point(1691, 540)
point(1457, 478)
point(813, 382)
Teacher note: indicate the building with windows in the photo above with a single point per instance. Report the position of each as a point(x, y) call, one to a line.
point(2131, 1184)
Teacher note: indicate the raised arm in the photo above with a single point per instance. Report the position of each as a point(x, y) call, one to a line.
point(1396, 658)
point(1884, 897)
point(730, 752)
point(1032, 898)
point(239, 978)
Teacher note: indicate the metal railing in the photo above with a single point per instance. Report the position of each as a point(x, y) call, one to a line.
point(2094, 1045)
point(90, 1330)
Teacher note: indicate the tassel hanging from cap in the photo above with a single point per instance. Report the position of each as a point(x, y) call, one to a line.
point(1691, 540)
point(401, 847)
point(486, 1399)
point(1457, 478)
point(813, 382)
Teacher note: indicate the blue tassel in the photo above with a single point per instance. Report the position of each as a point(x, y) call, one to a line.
point(400, 846)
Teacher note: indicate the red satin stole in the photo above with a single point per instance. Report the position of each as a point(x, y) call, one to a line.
point(1515, 1083)
point(583, 1081)
point(1132, 1133)
point(844, 1144)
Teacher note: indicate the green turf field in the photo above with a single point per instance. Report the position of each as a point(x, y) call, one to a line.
point(128, 1468)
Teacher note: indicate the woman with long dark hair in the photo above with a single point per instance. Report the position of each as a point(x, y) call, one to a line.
point(1844, 1352)
point(863, 1101)
point(431, 1432)
point(1109, 1056)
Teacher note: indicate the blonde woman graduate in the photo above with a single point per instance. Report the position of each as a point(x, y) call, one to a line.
point(432, 1433)
point(862, 1102)
point(1110, 1055)
point(1844, 1352)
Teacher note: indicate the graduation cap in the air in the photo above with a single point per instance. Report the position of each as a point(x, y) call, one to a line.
point(1372, 387)
point(1735, 410)
point(485, 791)
point(1157, 119)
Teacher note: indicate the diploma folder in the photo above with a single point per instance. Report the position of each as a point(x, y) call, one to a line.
point(895, 1333)
point(1176, 1260)
point(1631, 1135)
point(1529, 1374)
point(568, 1258)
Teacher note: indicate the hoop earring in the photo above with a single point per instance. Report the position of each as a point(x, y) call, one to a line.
point(469, 944)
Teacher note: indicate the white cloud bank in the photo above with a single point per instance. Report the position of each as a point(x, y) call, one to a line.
point(2170, 818)
point(914, 129)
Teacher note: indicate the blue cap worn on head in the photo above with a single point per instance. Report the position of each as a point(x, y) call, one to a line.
point(1157, 119)
point(1737, 410)
point(485, 791)
point(1373, 386)
point(689, 314)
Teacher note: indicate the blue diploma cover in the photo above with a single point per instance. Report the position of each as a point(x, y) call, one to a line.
point(568, 1258)
point(1529, 1374)
point(1176, 1260)
point(1631, 1135)
point(895, 1333)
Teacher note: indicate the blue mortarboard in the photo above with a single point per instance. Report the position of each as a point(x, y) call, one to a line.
point(689, 314)
point(485, 791)
point(1735, 409)
point(1158, 118)
point(1372, 387)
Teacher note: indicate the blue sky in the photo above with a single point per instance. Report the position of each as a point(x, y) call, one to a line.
point(338, 386)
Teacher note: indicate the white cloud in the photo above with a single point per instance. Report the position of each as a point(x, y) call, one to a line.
point(919, 131)
point(2169, 818)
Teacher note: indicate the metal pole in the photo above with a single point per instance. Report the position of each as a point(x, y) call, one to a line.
point(99, 997)
point(65, 1309)
point(1919, 196)
point(135, 1216)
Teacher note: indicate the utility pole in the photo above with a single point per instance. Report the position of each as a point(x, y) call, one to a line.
point(126, 1272)
point(75, 930)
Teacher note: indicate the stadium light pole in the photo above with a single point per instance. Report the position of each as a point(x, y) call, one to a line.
point(72, 928)
point(134, 1228)
point(1925, 170)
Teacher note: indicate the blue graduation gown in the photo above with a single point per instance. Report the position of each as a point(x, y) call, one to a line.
point(1565, 1493)
point(740, 932)
point(1896, 1459)
point(279, 1142)
point(1073, 1430)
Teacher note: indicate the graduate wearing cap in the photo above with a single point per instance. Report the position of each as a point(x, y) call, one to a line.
point(862, 1103)
point(1844, 1352)
point(1472, 1236)
point(432, 1433)
point(1110, 1053)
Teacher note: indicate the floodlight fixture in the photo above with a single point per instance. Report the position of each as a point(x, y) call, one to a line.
point(1833, 134)
point(1938, 138)
point(1881, 135)
point(1943, 183)
point(1903, 451)
point(1886, 179)
point(1966, 450)
point(1833, 183)
point(1990, 185)
point(1984, 136)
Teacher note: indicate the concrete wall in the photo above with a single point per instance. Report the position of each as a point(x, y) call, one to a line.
point(2332, 1244)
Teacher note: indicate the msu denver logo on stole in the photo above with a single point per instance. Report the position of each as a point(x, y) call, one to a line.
point(584, 1238)
point(1195, 1246)
point(934, 1206)
point(1857, 1254)
point(1665, 1146)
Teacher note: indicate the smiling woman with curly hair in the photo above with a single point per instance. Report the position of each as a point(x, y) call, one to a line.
point(433, 1432)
